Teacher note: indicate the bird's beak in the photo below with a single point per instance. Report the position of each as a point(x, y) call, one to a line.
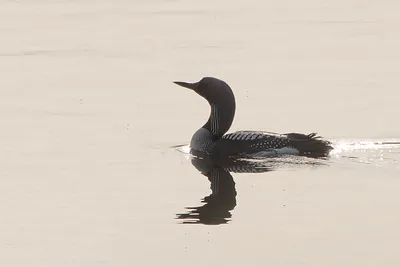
point(192, 86)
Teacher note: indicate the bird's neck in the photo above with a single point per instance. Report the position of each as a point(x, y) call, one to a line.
point(217, 125)
point(220, 119)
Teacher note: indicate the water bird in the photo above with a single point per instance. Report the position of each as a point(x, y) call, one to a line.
point(212, 138)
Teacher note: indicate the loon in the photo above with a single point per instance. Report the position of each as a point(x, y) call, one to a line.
point(212, 140)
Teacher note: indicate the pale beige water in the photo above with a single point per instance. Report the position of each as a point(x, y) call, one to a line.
point(88, 113)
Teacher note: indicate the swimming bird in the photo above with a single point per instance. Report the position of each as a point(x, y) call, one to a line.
point(211, 139)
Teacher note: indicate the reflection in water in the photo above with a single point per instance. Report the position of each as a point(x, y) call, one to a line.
point(218, 206)
point(222, 200)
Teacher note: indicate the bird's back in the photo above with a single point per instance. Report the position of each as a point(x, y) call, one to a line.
point(257, 143)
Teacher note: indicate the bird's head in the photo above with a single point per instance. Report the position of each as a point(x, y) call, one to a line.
point(212, 89)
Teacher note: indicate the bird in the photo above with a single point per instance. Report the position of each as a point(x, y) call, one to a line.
point(213, 140)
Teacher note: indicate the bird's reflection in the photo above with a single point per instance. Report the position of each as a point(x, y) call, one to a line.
point(218, 206)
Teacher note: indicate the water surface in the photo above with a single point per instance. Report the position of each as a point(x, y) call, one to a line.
point(89, 115)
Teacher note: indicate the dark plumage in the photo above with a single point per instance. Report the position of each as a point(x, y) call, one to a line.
point(210, 138)
point(244, 143)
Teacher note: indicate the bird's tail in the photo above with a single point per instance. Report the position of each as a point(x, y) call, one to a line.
point(310, 145)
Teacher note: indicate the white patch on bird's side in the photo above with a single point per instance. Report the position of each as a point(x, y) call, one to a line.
point(275, 152)
point(287, 151)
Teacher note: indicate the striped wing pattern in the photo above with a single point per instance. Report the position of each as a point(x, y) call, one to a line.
point(259, 140)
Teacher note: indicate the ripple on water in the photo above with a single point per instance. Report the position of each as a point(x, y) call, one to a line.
point(374, 152)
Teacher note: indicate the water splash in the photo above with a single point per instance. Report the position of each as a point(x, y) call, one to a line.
point(374, 152)
point(341, 146)
point(183, 148)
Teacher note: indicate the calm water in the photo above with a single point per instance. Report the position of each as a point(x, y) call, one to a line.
point(90, 115)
